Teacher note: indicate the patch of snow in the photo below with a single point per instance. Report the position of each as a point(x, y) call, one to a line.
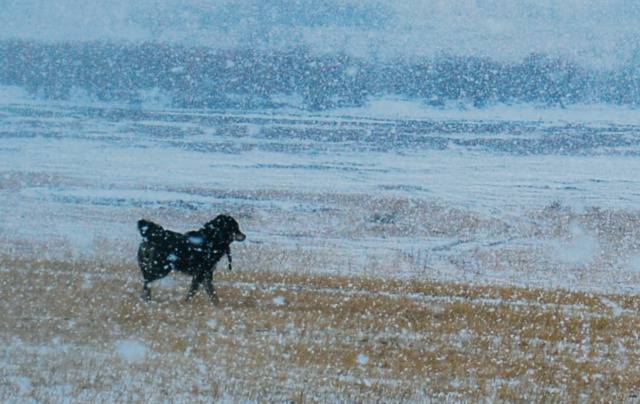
point(168, 282)
point(14, 94)
point(362, 359)
point(579, 250)
point(279, 300)
point(465, 336)
point(616, 310)
point(633, 264)
point(87, 282)
point(352, 71)
point(253, 130)
point(456, 383)
point(131, 350)
point(154, 98)
point(23, 384)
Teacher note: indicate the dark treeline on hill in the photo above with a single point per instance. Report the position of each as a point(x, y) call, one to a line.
point(197, 77)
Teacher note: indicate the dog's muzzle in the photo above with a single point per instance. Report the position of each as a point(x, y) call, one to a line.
point(239, 237)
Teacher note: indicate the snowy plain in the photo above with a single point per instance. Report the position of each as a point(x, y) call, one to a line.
point(353, 186)
point(502, 197)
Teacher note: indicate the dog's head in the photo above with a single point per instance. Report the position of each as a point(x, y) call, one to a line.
point(223, 229)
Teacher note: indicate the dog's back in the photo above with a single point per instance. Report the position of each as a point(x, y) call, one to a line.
point(162, 250)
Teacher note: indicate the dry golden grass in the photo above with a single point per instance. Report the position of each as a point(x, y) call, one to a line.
point(306, 338)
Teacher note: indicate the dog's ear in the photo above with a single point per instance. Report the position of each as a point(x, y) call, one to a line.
point(214, 225)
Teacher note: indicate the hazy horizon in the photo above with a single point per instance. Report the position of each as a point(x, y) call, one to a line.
point(597, 34)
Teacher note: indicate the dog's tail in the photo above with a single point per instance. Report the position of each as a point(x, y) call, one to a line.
point(149, 230)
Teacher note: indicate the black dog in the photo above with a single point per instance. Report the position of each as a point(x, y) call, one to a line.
point(195, 253)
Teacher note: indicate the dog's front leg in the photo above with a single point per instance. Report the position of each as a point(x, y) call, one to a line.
point(146, 292)
point(208, 284)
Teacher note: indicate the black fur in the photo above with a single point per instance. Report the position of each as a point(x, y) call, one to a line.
point(195, 253)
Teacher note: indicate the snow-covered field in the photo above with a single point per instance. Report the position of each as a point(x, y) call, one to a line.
point(533, 218)
point(535, 203)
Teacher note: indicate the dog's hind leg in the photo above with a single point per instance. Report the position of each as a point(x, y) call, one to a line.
point(195, 284)
point(211, 291)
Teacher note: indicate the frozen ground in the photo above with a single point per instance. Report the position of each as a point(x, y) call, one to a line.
point(78, 332)
point(548, 203)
